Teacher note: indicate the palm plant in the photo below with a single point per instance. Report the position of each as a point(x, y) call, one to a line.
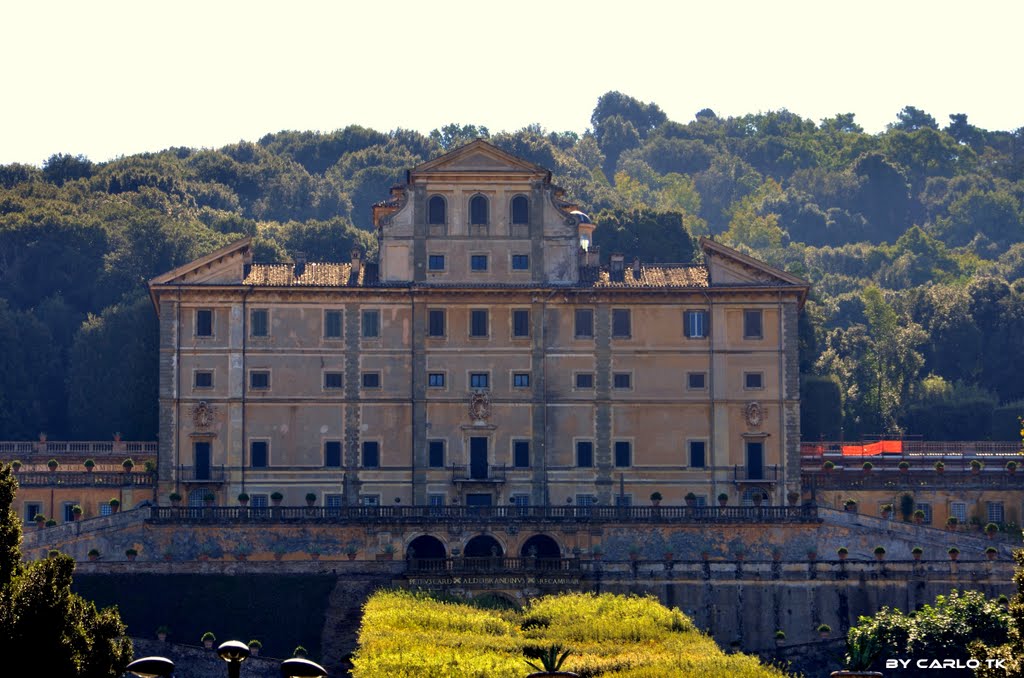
point(550, 659)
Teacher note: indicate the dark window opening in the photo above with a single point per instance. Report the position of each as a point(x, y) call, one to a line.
point(584, 454)
point(521, 454)
point(520, 323)
point(259, 453)
point(520, 210)
point(435, 454)
point(478, 210)
point(623, 454)
point(436, 210)
point(332, 453)
point(371, 454)
point(584, 323)
point(435, 322)
point(204, 323)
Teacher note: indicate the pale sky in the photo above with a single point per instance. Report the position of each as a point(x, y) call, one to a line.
point(115, 78)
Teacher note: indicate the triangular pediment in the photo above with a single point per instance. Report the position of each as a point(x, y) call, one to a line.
point(223, 267)
point(729, 267)
point(479, 156)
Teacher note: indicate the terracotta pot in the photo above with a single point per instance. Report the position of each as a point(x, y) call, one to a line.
point(917, 556)
point(351, 556)
point(991, 556)
point(954, 556)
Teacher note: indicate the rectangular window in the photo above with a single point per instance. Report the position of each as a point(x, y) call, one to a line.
point(371, 379)
point(479, 380)
point(371, 454)
point(958, 510)
point(32, 509)
point(584, 453)
point(204, 322)
point(584, 380)
point(753, 380)
point(521, 453)
point(478, 323)
point(622, 323)
point(369, 500)
point(435, 322)
point(332, 453)
point(333, 501)
point(696, 381)
point(478, 262)
point(622, 380)
point(584, 322)
point(69, 511)
point(259, 453)
point(332, 380)
point(105, 509)
point(435, 454)
point(259, 501)
point(204, 379)
point(623, 454)
point(698, 458)
point(520, 323)
point(994, 511)
point(435, 262)
point(435, 499)
point(752, 328)
point(695, 324)
point(259, 322)
point(584, 500)
point(332, 324)
point(520, 262)
point(521, 380)
point(435, 380)
point(927, 508)
point(520, 501)
point(623, 500)
point(371, 324)
point(259, 380)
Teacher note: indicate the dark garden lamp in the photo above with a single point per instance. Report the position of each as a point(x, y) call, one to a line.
point(297, 667)
point(234, 653)
point(151, 667)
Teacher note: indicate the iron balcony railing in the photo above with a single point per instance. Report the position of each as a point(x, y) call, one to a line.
point(483, 474)
point(202, 474)
point(476, 514)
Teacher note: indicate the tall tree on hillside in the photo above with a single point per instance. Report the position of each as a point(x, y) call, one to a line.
point(892, 356)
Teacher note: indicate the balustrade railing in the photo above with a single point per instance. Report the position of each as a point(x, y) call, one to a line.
point(852, 479)
point(84, 479)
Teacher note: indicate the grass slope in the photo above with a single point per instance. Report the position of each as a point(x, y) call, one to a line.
point(412, 635)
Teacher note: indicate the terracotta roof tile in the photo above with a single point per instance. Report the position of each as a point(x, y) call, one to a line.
point(665, 275)
point(315, 275)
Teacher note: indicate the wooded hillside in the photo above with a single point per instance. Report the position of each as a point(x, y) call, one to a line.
point(913, 239)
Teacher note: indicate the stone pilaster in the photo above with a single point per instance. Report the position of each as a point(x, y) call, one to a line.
point(603, 405)
point(352, 408)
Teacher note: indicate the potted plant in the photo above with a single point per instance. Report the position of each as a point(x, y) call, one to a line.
point(149, 466)
point(916, 552)
point(351, 551)
point(168, 554)
point(904, 466)
point(991, 552)
point(94, 554)
point(40, 520)
point(879, 553)
point(691, 499)
point(655, 498)
point(161, 633)
point(780, 637)
point(919, 517)
point(209, 498)
point(953, 552)
point(310, 498)
point(89, 465)
point(824, 630)
point(299, 651)
point(52, 465)
point(254, 647)
point(276, 498)
point(812, 555)
point(1011, 467)
point(242, 551)
point(131, 553)
point(886, 510)
point(548, 662)
point(991, 529)
point(388, 552)
point(314, 552)
point(16, 465)
point(793, 497)
point(76, 511)
point(861, 652)
point(757, 498)
point(828, 466)
point(208, 639)
point(850, 505)
point(51, 522)
point(976, 466)
point(939, 467)
point(243, 499)
point(842, 552)
point(128, 465)
point(175, 499)
point(670, 555)
point(115, 504)
point(723, 499)
point(867, 466)
point(278, 550)
point(952, 522)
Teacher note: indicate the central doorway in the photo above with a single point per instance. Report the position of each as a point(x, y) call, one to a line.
point(478, 458)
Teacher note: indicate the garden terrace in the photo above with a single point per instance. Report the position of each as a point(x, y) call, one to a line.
point(912, 479)
point(84, 479)
point(494, 514)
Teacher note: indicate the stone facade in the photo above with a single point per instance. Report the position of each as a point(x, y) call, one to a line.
point(486, 357)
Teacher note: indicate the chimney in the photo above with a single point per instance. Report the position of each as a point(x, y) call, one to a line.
point(618, 268)
point(636, 268)
point(300, 264)
point(356, 261)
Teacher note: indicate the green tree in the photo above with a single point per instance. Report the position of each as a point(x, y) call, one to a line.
point(41, 620)
point(650, 235)
point(892, 356)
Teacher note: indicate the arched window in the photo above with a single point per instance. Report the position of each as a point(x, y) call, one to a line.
point(478, 210)
point(436, 210)
point(520, 210)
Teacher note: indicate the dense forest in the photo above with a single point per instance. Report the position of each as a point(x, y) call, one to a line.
point(913, 239)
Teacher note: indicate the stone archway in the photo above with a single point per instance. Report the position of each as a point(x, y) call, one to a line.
point(426, 552)
point(542, 552)
point(483, 552)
